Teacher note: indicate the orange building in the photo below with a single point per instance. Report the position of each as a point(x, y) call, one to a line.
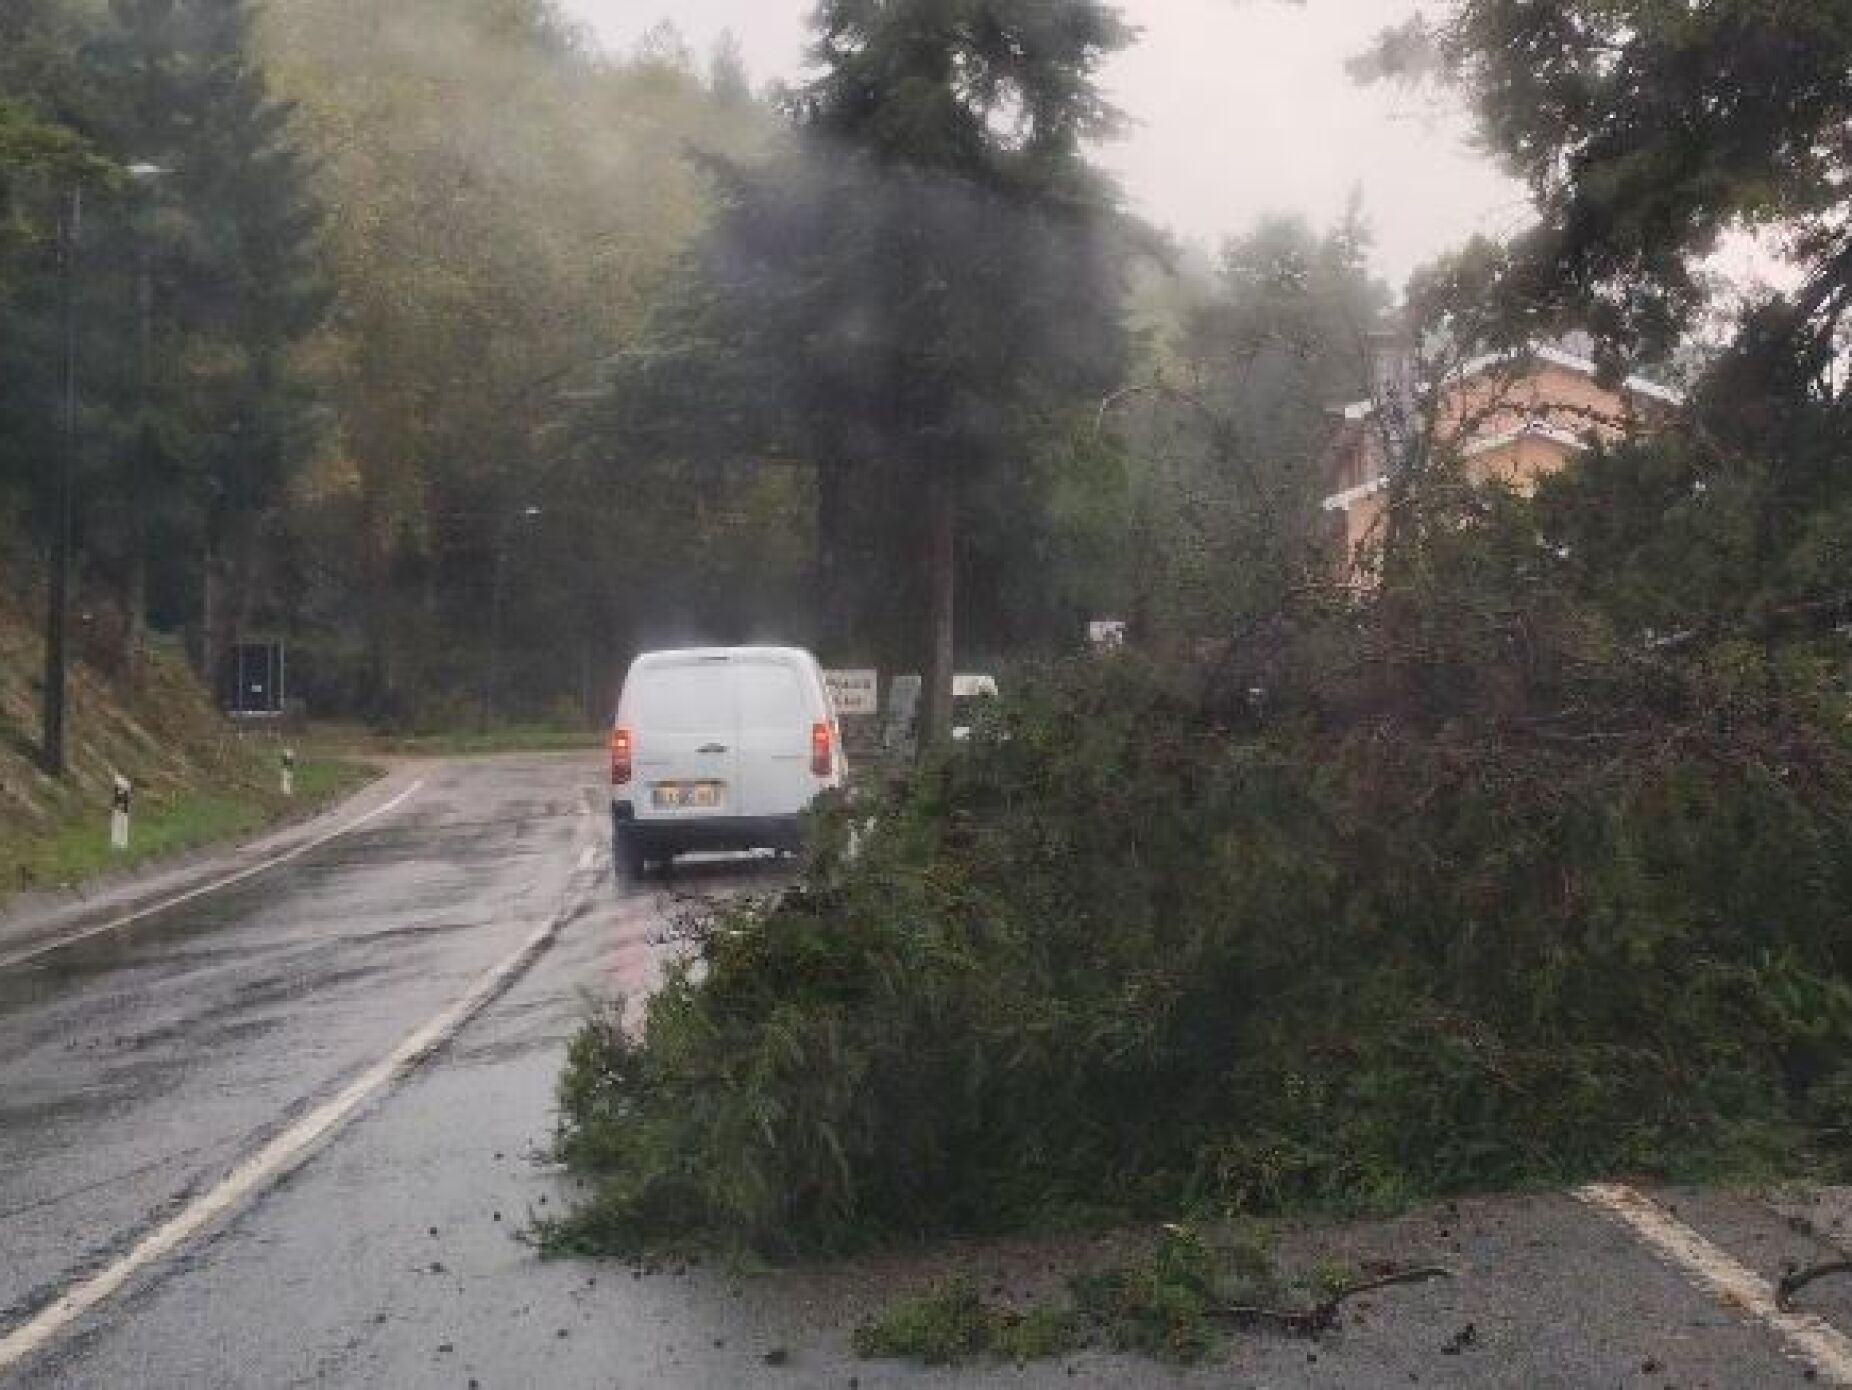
point(1512, 418)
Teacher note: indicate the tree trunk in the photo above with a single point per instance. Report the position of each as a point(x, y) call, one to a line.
point(135, 590)
point(833, 579)
point(942, 593)
point(246, 573)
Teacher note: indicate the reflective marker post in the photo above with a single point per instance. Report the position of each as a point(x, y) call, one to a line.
point(289, 772)
point(119, 813)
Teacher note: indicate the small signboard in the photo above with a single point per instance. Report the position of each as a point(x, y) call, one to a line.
point(1107, 635)
point(255, 682)
point(854, 693)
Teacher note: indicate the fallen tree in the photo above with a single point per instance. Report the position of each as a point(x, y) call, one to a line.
point(1455, 891)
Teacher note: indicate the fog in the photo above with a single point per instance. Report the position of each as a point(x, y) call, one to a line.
point(1256, 86)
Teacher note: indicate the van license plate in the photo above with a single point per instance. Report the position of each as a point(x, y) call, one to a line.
point(686, 796)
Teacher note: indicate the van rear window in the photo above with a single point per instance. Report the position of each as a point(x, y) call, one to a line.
point(685, 699)
point(770, 697)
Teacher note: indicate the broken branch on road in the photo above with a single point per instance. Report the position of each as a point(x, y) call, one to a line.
point(1322, 1317)
point(1795, 1280)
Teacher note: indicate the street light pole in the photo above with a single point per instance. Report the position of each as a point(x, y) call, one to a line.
point(493, 675)
point(58, 604)
point(135, 598)
point(141, 448)
point(58, 590)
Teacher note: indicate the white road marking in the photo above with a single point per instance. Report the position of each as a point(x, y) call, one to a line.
point(1813, 1339)
point(117, 924)
point(588, 858)
point(282, 1154)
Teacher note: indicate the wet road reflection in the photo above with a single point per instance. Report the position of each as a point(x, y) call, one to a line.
point(136, 1066)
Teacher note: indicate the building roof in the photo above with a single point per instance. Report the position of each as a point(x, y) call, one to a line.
point(1539, 352)
point(1569, 361)
point(1531, 429)
point(1341, 502)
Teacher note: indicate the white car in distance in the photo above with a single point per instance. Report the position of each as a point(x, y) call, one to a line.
point(970, 693)
point(971, 690)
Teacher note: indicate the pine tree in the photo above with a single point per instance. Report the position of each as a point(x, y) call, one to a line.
point(42, 156)
point(906, 302)
point(977, 241)
point(727, 77)
point(237, 291)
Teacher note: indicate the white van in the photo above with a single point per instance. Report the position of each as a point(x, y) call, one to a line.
point(719, 748)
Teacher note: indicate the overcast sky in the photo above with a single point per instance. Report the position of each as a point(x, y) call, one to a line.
point(1241, 107)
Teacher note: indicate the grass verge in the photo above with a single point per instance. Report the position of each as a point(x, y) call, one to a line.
point(952, 1323)
point(74, 847)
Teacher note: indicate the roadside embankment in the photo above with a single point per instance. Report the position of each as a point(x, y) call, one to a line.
point(198, 780)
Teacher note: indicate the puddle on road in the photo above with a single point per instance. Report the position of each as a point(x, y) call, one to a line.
point(431, 883)
point(53, 975)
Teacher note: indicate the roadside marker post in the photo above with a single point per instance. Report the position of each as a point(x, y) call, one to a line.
point(119, 813)
point(289, 772)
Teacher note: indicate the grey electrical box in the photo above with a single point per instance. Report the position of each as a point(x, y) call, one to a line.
point(255, 682)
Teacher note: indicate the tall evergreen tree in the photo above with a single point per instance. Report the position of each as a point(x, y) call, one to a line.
point(930, 272)
point(42, 156)
point(727, 77)
point(975, 114)
point(237, 291)
point(906, 302)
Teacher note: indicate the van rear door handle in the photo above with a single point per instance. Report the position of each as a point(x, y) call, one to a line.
point(713, 748)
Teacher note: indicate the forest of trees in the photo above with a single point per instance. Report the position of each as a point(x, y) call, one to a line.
point(466, 358)
point(338, 266)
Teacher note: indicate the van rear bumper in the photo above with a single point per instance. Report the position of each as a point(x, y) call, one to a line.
point(659, 837)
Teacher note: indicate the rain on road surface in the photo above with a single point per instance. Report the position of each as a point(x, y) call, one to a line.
point(139, 1068)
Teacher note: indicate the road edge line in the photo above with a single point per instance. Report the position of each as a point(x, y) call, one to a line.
point(249, 871)
point(1812, 1339)
point(283, 1154)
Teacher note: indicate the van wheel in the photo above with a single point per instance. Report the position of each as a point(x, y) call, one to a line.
point(631, 862)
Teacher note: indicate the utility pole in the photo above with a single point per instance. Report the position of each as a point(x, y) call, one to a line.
point(58, 606)
point(497, 588)
point(141, 449)
point(135, 600)
point(941, 599)
point(492, 676)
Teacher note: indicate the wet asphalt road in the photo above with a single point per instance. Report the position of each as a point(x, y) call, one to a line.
point(139, 1068)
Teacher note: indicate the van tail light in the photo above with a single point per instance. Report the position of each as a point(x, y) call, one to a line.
point(822, 750)
point(620, 757)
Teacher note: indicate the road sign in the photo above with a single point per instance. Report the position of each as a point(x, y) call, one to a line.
point(256, 680)
point(855, 692)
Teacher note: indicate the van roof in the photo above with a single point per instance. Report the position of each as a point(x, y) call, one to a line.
point(685, 655)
